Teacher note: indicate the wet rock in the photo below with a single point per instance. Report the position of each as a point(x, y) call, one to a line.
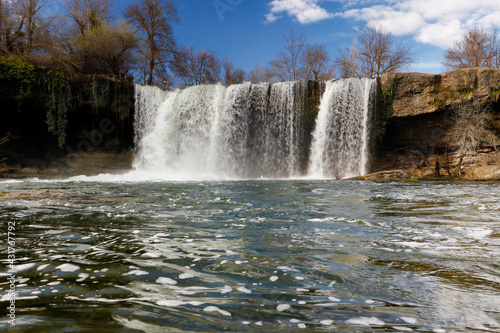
point(384, 176)
point(39, 194)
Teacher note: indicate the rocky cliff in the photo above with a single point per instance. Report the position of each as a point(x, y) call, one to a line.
point(429, 117)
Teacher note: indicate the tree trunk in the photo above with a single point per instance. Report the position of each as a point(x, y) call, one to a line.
point(151, 65)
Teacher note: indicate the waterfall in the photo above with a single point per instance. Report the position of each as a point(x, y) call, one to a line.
point(340, 140)
point(253, 130)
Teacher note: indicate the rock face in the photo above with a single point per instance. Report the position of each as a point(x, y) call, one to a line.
point(418, 136)
point(416, 93)
point(93, 135)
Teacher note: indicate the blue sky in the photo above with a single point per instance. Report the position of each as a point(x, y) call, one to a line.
point(250, 32)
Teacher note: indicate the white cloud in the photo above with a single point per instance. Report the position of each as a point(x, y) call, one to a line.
point(440, 34)
point(436, 22)
point(304, 11)
point(398, 23)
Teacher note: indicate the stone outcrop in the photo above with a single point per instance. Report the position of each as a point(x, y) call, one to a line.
point(384, 176)
point(416, 93)
point(418, 135)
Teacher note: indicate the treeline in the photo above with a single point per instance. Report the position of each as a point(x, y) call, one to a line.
point(85, 36)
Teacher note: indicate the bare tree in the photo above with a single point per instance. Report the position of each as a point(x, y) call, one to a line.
point(476, 48)
point(88, 14)
point(232, 75)
point(377, 54)
point(30, 12)
point(194, 68)
point(317, 64)
point(260, 74)
point(347, 61)
point(154, 21)
point(495, 48)
point(7, 25)
point(287, 65)
point(23, 27)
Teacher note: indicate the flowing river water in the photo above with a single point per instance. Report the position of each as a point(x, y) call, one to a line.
point(117, 255)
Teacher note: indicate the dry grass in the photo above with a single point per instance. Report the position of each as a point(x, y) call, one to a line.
point(492, 159)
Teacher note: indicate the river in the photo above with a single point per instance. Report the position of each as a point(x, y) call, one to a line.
point(116, 255)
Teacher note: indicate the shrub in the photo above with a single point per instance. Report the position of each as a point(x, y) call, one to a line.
point(18, 70)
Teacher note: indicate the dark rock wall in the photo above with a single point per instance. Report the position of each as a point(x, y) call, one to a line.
point(98, 117)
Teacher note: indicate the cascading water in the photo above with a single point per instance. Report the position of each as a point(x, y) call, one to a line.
point(243, 131)
point(252, 130)
point(340, 140)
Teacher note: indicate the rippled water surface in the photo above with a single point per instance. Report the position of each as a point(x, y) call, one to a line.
point(254, 256)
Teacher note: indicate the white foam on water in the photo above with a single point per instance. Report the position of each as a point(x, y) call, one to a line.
point(136, 272)
point(151, 255)
point(226, 289)
point(185, 276)
point(68, 268)
point(42, 267)
point(82, 277)
point(23, 267)
point(166, 281)
point(244, 290)
point(475, 233)
point(283, 307)
point(365, 321)
point(216, 309)
point(409, 320)
point(171, 303)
